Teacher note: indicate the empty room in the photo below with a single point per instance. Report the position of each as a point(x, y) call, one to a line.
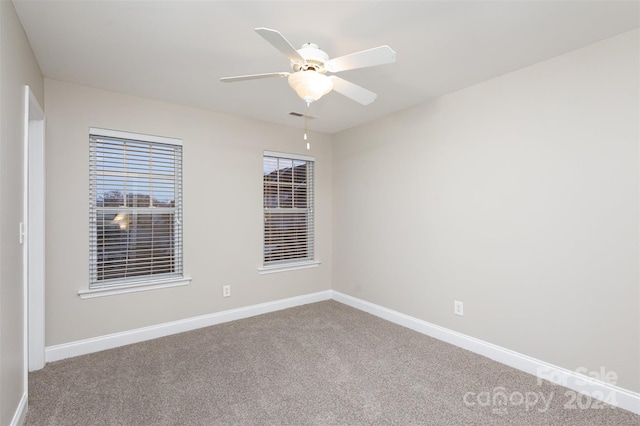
point(319, 212)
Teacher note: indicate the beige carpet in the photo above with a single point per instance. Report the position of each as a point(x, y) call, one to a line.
point(318, 364)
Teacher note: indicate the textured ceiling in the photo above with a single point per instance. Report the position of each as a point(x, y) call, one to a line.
point(177, 51)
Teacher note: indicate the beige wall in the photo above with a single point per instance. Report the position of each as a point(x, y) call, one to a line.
point(518, 196)
point(18, 68)
point(222, 179)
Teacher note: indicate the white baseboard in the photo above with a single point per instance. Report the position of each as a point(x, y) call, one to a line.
point(597, 389)
point(87, 346)
point(21, 411)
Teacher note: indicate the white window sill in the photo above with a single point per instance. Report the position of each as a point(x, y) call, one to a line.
point(132, 288)
point(271, 269)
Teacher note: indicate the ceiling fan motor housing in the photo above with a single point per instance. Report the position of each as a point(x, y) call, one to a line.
point(314, 57)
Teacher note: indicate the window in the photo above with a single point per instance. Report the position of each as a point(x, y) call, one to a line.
point(288, 209)
point(135, 224)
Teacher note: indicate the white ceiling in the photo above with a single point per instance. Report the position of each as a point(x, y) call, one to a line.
point(177, 50)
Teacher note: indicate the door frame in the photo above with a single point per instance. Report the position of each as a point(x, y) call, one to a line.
point(32, 234)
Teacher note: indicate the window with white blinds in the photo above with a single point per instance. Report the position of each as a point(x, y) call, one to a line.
point(288, 208)
point(135, 208)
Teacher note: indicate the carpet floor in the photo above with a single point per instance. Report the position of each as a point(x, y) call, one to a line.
point(318, 364)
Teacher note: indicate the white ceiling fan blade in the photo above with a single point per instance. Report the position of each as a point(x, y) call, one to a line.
point(253, 77)
point(366, 58)
point(353, 91)
point(279, 42)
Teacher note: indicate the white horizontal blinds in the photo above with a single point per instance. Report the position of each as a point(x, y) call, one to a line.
point(288, 210)
point(136, 210)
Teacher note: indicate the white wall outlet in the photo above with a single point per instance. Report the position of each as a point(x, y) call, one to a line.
point(226, 290)
point(458, 308)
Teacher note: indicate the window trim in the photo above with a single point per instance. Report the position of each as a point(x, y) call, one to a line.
point(290, 264)
point(288, 156)
point(141, 283)
point(134, 287)
point(118, 134)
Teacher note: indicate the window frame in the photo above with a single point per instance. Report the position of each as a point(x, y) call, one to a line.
point(291, 264)
point(141, 282)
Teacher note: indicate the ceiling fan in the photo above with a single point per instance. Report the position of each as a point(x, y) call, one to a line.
point(309, 66)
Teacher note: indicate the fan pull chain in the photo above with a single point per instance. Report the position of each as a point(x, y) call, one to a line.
point(306, 130)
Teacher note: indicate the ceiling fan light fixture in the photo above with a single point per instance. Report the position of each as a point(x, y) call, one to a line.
point(310, 85)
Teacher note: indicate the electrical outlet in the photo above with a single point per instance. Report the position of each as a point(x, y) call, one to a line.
point(458, 308)
point(226, 290)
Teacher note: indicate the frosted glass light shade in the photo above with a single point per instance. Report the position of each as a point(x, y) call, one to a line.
point(310, 85)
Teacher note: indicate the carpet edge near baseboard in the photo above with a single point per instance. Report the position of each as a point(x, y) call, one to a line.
point(114, 340)
point(596, 389)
